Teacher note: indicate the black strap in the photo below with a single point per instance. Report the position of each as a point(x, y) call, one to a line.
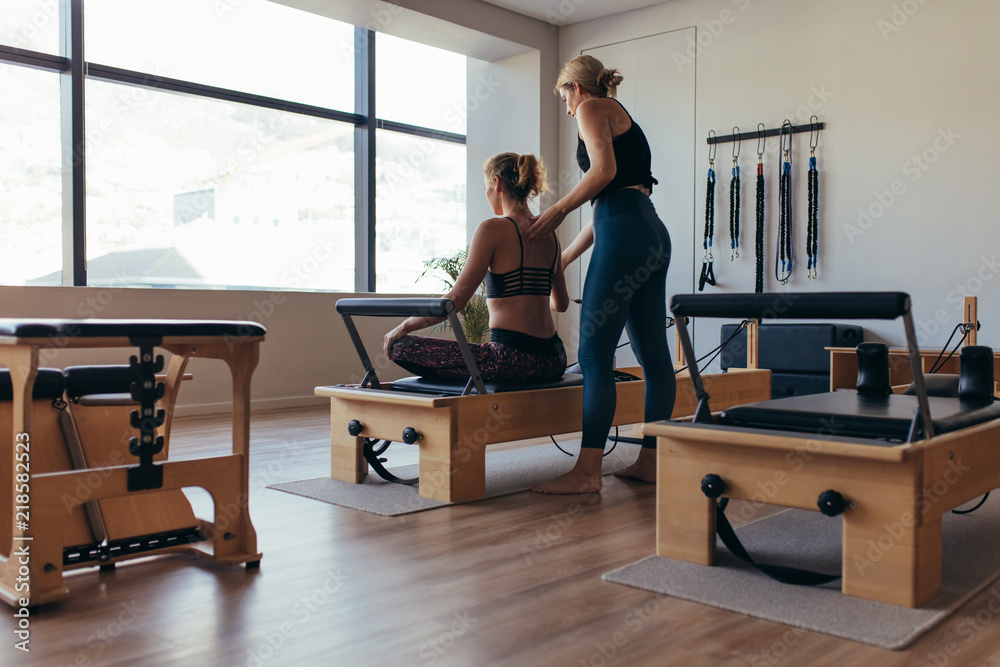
point(369, 452)
point(786, 575)
point(707, 275)
point(707, 270)
point(758, 286)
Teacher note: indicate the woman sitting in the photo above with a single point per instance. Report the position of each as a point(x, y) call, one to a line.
point(523, 282)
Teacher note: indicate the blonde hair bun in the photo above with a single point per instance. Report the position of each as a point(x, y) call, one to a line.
point(591, 75)
point(523, 175)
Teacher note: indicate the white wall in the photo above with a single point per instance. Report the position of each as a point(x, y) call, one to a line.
point(904, 88)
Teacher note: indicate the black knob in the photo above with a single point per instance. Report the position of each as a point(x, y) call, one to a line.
point(831, 503)
point(712, 486)
point(410, 435)
point(354, 427)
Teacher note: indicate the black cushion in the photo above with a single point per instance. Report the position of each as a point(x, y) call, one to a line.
point(850, 414)
point(789, 347)
point(976, 373)
point(456, 387)
point(873, 369)
point(91, 380)
point(97, 328)
point(49, 384)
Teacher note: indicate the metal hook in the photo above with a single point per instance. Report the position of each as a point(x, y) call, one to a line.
point(761, 140)
point(738, 143)
point(813, 134)
point(781, 135)
point(712, 147)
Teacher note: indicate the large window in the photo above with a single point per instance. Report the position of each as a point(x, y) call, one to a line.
point(420, 204)
point(30, 177)
point(222, 145)
point(252, 46)
point(420, 209)
point(193, 192)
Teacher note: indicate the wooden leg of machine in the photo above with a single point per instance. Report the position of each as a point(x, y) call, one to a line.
point(685, 518)
point(892, 553)
point(452, 470)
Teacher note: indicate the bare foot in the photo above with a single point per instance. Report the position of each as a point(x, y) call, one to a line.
point(585, 477)
point(644, 468)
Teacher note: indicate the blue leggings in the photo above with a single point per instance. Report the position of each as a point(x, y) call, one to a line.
point(625, 289)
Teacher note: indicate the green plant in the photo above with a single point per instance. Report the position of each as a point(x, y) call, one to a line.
point(475, 317)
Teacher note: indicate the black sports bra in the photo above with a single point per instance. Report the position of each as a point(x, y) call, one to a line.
point(632, 158)
point(522, 280)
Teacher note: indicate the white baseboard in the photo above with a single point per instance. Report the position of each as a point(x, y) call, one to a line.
point(255, 405)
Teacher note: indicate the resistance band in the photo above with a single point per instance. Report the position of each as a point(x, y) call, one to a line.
point(707, 272)
point(812, 231)
point(734, 201)
point(758, 286)
point(784, 254)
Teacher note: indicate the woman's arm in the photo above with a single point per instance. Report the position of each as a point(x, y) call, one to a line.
point(583, 240)
point(595, 129)
point(559, 296)
point(468, 281)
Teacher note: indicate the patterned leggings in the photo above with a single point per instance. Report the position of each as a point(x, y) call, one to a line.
point(510, 355)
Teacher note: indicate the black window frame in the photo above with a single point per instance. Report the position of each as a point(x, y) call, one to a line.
point(73, 69)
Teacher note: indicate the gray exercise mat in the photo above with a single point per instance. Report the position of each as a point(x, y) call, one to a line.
point(809, 540)
point(507, 471)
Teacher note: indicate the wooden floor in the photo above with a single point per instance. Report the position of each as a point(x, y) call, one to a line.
point(514, 580)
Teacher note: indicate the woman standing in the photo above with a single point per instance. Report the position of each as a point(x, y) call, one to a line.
point(626, 278)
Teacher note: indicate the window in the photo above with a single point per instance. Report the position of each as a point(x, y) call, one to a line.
point(251, 46)
point(30, 178)
point(192, 192)
point(421, 191)
point(419, 85)
point(30, 24)
point(419, 208)
point(218, 143)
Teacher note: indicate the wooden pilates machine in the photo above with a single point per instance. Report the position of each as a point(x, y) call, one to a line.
point(74, 495)
point(894, 463)
point(454, 422)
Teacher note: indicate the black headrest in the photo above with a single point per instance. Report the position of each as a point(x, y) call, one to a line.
point(49, 384)
point(975, 382)
point(873, 369)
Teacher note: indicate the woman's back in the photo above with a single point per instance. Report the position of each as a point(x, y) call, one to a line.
point(520, 278)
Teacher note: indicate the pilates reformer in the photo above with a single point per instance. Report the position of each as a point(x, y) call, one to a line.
point(890, 464)
point(74, 496)
point(453, 421)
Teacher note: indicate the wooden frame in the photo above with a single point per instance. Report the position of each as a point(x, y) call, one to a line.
point(35, 577)
point(456, 430)
point(892, 531)
point(897, 495)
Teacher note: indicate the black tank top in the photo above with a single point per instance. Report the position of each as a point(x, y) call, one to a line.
point(632, 159)
point(522, 280)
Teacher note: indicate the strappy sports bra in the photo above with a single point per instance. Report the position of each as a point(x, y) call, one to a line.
point(522, 280)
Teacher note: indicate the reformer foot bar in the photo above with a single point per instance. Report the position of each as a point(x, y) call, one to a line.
point(899, 462)
point(45, 530)
point(453, 422)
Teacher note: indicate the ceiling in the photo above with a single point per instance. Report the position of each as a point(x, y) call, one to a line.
point(565, 12)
